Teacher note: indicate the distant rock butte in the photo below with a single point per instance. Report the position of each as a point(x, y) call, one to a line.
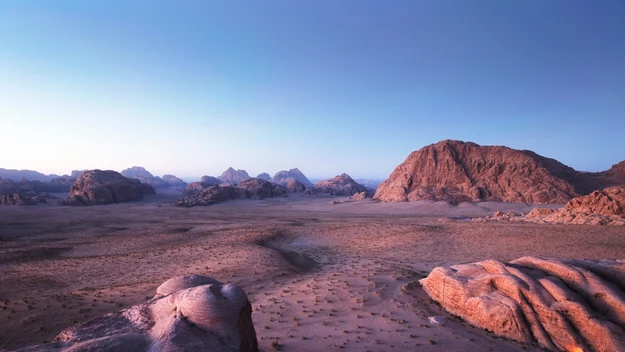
point(188, 313)
point(234, 176)
point(174, 181)
point(253, 188)
point(456, 171)
point(570, 305)
point(211, 181)
point(295, 186)
point(105, 187)
point(341, 185)
point(283, 177)
point(264, 176)
point(143, 175)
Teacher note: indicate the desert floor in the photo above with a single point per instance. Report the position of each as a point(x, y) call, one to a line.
point(320, 277)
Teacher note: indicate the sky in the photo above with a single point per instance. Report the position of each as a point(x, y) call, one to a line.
point(193, 87)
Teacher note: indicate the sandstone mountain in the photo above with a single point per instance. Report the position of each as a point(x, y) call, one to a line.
point(105, 187)
point(211, 181)
point(143, 175)
point(341, 185)
point(283, 177)
point(188, 313)
point(234, 176)
point(252, 188)
point(294, 186)
point(264, 176)
point(570, 305)
point(27, 192)
point(174, 181)
point(457, 171)
point(77, 173)
point(16, 175)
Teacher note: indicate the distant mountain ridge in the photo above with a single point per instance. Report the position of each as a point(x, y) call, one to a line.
point(457, 171)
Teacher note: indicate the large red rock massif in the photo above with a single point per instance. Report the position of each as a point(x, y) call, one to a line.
point(188, 313)
point(104, 187)
point(458, 171)
point(570, 305)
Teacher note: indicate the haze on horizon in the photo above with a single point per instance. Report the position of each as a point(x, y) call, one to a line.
point(193, 87)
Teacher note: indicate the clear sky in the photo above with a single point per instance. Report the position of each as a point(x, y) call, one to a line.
point(192, 87)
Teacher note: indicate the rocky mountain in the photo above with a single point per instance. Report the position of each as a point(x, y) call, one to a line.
point(341, 185)
point(283, 177)
point(30, 175)
point(294, 186)
point(458, 171)
point(144, 176)
point(252, 188)
point(234, 176)
point(188, 313)
point(373, 184)
point(563, 305)
point(264, 176)
point(174, 181)
point(211, 181)
point(104, 187)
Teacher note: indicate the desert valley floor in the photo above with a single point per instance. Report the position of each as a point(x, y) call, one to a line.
point(320, 276)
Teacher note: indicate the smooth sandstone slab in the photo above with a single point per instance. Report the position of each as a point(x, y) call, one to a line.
point(574, 305)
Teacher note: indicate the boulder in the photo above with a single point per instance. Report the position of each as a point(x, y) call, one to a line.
point(104, 187)
point(341, 185)
point(192, 313)
point(570, 305)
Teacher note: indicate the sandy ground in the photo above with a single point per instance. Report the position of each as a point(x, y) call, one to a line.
point(320, 277)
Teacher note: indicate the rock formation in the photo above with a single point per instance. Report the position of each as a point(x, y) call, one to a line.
point(188, 313)
point(458, 171)
point(210, 181)
point(256, 188)
point(341, 185)
point(359, 196)
point(570, 305)
point(24, 192)
point(253, 188)
point(174, 181)
point(104, 187)
point(283, 177)
point(295, 186)
point(605, 207)
point(144, 176)
point(77, 173)
point(234, 176)
point(31, 175)
point(264, 176)
point(16, 199)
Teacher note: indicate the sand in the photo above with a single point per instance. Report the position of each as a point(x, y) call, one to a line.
point(320, 277)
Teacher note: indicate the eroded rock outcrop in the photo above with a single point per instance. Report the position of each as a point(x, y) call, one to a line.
point(252, 188)
point(570, 305)
point(16, 199)
point(341, 185)
point(105, 187)
point(210, 180)
point(143, 175)
point(264, 176)
point(234, 176)
point(283, 177)
point(295, 186)
point(189, 313)
point(456, 171)
point(174, 181)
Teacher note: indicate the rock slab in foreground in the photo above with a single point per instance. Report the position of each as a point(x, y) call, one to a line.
point(189, 313)
point(571, 305)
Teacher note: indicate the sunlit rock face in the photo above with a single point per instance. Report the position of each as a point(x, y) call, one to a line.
point(570, 305)
point(189, 313)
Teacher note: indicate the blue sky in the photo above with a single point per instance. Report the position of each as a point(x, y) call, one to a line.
point(192, 87)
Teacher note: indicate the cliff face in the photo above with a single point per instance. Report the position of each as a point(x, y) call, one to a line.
point(456, 171)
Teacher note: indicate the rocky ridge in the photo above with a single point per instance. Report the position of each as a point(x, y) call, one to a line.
point(234, 176)
point(252, 188)
point(95, 187)
point(341, 185)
